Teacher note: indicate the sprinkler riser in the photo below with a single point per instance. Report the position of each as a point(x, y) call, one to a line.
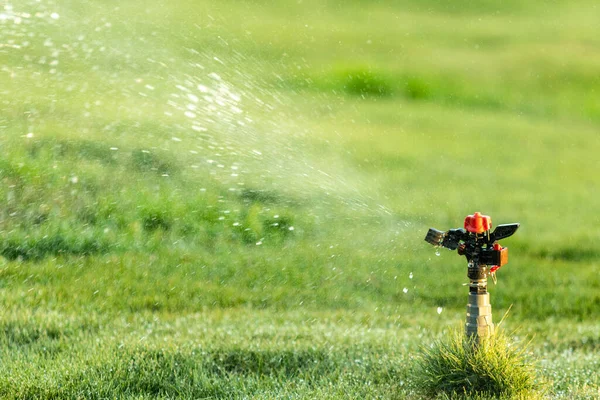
point(479, 316)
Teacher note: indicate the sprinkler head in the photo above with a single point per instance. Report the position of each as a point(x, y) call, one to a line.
point(475, 241)
point(484, 256)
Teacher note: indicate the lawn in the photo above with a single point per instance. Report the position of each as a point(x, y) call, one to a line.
point(229, 199)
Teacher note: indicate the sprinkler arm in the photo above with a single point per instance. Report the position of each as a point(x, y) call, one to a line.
point(452, 238)
point(504, 231)
point(449, 239)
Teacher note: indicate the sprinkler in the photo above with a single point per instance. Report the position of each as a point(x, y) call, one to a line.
point(484, 256)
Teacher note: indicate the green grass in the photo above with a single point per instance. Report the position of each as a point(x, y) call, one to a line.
point(493, 367)
point(269, 243)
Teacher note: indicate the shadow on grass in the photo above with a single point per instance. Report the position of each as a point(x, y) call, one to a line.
point(58, 244)
point(573, 254)
point(260, 196)
point(284, 363)
point(22, 334)
point(45, 336)
point(148, 372)
point(156, 372)
point(365, 82)
point(82, 149)
point(146, 161)
point(585, 343)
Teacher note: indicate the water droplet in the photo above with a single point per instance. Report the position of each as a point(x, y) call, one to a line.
point(405, 290)
point(437, 252)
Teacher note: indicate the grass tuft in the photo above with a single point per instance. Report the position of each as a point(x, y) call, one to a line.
point(73, 149)
point(145, 161)
point(156, 219)
point(259, 196)
point(365, 82)
point(31, 248)
point(496, 367)
point(285, 363)
point(417, 89)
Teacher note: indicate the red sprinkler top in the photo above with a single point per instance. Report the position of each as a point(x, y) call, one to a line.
point(478, 223)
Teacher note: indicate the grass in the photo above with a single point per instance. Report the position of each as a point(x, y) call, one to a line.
point(495, 367)
point(229, 200)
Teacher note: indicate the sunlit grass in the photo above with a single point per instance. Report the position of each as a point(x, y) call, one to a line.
point(495, 366)
point(278, 252)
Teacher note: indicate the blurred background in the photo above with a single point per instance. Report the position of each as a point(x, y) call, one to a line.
point(239, 191)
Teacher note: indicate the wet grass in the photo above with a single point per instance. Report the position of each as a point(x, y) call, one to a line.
point(365, 82)
point(160, 359)
point(495, 367)
point(145, 161)
point(71, 149)
point(28, 249)
point(193, 366)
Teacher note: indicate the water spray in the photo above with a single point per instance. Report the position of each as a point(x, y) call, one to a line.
point(484, 256)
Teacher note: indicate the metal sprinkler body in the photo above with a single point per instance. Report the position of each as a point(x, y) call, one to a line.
point(484, 256)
